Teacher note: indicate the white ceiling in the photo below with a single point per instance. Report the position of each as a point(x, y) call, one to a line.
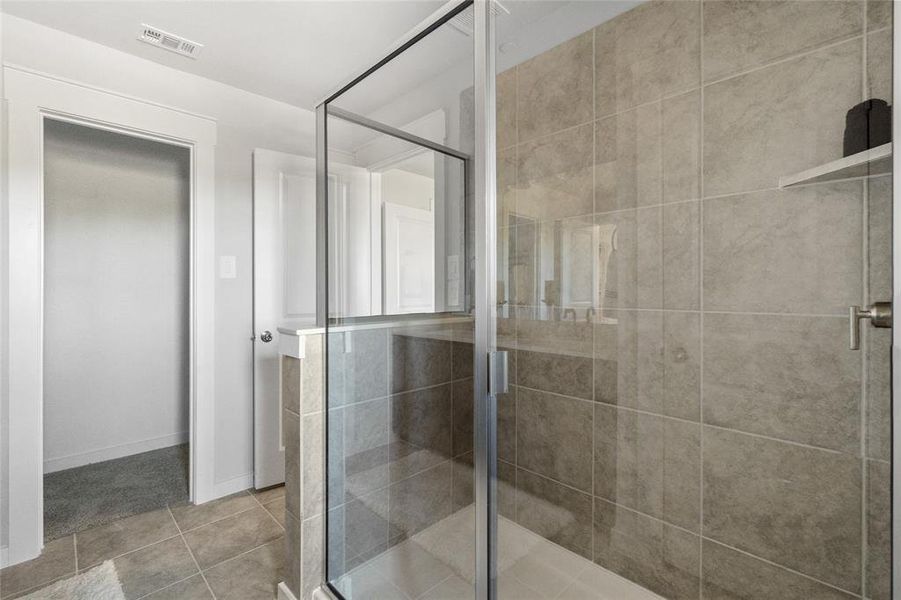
point(290, 51)
point(297, 51)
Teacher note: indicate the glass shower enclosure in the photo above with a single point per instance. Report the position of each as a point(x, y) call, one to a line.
point(606, 289)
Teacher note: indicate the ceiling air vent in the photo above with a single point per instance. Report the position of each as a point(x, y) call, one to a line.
point(168, 41)
point(464, 21)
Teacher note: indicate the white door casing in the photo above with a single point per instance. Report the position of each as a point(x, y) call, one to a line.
point(284, 290)
point(32, 98)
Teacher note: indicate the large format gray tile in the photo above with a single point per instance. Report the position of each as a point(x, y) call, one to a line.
point(649, 360)
point(506, 186)
point(219, 541)
point(879, 237)
point(312, 374)
point(505, 88)
point(649, 463)
point(878, 345)
point(366, 524)
point(421, 500)
point(554, 175)
point(411, 568)
point(107, 541)
point(276, 508)
point(57, 560)
point(252, 576)
point(879, 14)
point(554, 356)
point(554, 89)
point(418, 362)
point(879, 530)
point(787, 377)
point(358, 364)
point(681, 147)
point(658, 556)
point(879, 65)
point(190, 516)
point(743, 34)
point(681, 255)
point(785, 251)
point(779, 120)
point(154, 567)
point(647, 53)
point(554, 511)
point(793, 505)
point(633, 277)
point(732, 575)
point(311, 556)
point(293, 477)
point(628, 169)
point(366, 426)
point(462, 417)
point(192, 588)
point(293, 548)
point(553, 437)
point(291, 369)
point(424, 418)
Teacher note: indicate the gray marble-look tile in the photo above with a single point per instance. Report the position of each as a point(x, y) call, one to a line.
point(266, 495)
point(219, 541)
point(358, 366)
point(649, 360)
point(553, 437)
point(291, 369)
point(462, 360)
point(648, 463)
point(252, 576)
point(878, 346)
point(783, 376)
point(463, 485)
point(192, 588)
point(779, 120)
point(879, 14)
point(56, 560)
point(785, 251)
point(743, 34)
point(421, 500)
point(647, 53)
point(658, 556)
point(424, 418)
point(311, 490)
point(793, 505)
point(555, 356)
point(366, 426)
point(554, 511)
point(554, 175)
point(276, 508)
point(505, 89)
point(632, 275)
point(97, 544)
point(628, 164)
point(154, 567)
point(681, 255)
point(462, 397)
point(312, 375)
point(554, 89)
point(311, 556)
point(506, 425)
point(682, 147)
point(732, 575)
point(293, 549)
point(879, 530)
point(879, 65)
point(879, 238)
point(418, 362)
point(366, 528)
point(191, 516)
point(506, 185)
point(293, 453)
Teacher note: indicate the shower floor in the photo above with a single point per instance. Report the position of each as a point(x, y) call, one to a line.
point(437, 564)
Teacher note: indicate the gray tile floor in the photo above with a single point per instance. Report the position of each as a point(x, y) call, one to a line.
point(231, 548)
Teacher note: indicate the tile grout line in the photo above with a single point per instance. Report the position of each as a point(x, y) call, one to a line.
point(268, 512)
point(75, 549)
point(191, 552)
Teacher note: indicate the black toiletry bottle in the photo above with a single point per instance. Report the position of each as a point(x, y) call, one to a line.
point(867, 125)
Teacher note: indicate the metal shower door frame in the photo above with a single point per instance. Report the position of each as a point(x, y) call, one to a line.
point(483, 166)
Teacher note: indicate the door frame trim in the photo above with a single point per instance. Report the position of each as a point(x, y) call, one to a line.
point(33, 97)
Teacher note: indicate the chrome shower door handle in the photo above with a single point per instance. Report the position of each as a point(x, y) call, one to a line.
point(879, 314)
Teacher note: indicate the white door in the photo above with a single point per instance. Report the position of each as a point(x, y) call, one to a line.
point(284, 289)
point(409, 259)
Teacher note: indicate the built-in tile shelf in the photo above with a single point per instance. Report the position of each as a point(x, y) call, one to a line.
point(875, 161)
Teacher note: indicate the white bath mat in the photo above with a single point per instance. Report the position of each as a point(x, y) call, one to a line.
point(99, 583)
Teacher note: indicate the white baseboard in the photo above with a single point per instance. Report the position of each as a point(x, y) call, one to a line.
point(85, 458)
point(284, 593)
point(232, 486)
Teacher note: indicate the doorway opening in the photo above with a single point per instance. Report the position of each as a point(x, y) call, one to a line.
point(116, 305)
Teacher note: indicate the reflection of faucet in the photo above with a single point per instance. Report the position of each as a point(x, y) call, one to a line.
point(569, 311)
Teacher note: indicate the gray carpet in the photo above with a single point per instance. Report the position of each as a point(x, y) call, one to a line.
point(84, 497)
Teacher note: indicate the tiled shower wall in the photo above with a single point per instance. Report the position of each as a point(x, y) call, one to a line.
point(700, 427)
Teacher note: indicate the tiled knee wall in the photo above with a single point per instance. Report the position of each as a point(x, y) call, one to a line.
point(400, 442)
point(706, 431)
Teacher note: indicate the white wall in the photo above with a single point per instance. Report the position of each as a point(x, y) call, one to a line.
point(408, 189)
point(116, 272)
point(4, 425)
point(245, 121)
